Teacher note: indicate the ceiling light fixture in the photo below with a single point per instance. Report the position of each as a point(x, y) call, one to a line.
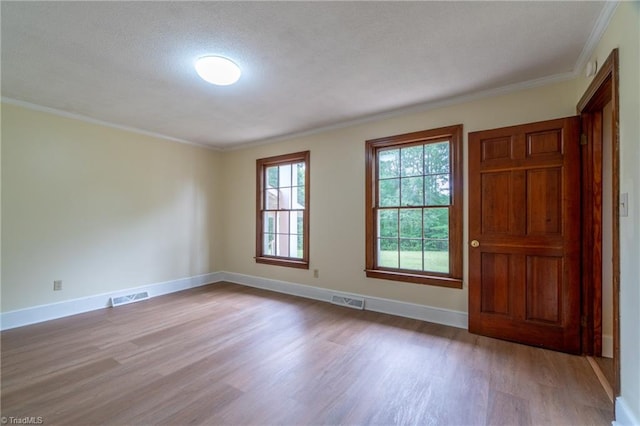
point(217, 70)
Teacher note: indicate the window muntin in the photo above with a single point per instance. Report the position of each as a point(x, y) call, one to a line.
point(414, 194)
point(282, 228)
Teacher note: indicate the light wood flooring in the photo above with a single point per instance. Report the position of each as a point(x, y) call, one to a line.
point(227, 354)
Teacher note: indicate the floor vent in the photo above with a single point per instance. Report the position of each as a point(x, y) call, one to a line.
point(129, 298)
point(350, 302)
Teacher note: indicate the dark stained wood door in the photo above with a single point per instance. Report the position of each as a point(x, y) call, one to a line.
point(524, 234)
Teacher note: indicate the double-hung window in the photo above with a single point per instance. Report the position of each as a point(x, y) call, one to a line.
point(414, 207)
point(282, 212)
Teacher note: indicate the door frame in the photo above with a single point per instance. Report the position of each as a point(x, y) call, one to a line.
point(602, 90)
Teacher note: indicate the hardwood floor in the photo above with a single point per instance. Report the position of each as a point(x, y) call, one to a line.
point(227, 354)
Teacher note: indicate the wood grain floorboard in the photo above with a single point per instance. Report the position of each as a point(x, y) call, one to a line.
point(227, 354)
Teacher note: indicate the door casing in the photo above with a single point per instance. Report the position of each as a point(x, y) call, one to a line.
point(602, 90)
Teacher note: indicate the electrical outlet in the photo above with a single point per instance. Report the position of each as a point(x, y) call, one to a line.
point(316, 273)
point(57, 285)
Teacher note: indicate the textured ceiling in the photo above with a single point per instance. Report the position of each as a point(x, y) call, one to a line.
point(306, 65)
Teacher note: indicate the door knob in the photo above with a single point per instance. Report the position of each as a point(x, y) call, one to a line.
point(475, 243)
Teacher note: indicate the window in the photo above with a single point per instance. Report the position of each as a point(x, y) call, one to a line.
point(282, 213)
point(414, 207)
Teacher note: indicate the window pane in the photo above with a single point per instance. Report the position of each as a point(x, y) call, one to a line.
point(282, 223)
point(272, 177)
point(436, 189)
point(388, 223)
point(388, 252)
point(301, 246)
point(285, 175)
point(282, 245)
point(388, 163)
point(269, 248)
point(436, 223)
point(298, 197)
point(271, 199)
point(297, 220)
point(284, 198)
point(436, 245)
point(412, 161)
point(298, 171)
point(436, 256)
point(389, 192)
point(295, 246)
point(411, 254)
point(269, 222)
point(412, 191)
point(436, 158)
point(411, 223)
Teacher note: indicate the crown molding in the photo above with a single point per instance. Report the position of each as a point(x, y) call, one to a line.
point(85, 119)
point(417, 108)
point(596, 34)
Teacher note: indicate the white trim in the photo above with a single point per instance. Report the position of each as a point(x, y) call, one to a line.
point(596, 34)
point(84, 118)
point(394, 307)
point(624, 415)
point(36, 314)
point(607, 346)
point(66, 308)
point(417, 108)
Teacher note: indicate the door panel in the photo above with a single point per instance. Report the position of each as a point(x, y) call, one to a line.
point(495, 206)
point(544, 202)
point(524, 213)
point(544, 278)
point(495, 283)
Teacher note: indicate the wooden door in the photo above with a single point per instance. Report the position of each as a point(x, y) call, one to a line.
point(524, 234)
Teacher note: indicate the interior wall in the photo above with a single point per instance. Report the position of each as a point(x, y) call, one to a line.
point(100, 209)
point(623, 32)
point(337, 212)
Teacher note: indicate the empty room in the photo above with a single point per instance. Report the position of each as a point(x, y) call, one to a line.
point(300, 213)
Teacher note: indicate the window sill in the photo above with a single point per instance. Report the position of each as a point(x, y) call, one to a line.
point(415, 278)
point(278, 261)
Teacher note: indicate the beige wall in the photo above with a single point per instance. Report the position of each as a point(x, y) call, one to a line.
point(337, 193)
point(100, 209)
point(623, 33)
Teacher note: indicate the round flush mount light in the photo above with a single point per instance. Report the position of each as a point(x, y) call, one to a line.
point(217, 70)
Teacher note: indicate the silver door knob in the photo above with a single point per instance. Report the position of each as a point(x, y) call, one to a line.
point(475, 243)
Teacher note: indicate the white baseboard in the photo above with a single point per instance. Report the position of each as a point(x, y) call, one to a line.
point(36, 314)
point(51, 311)
point(607, 346)
point(624, 415)
point(394, 307)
